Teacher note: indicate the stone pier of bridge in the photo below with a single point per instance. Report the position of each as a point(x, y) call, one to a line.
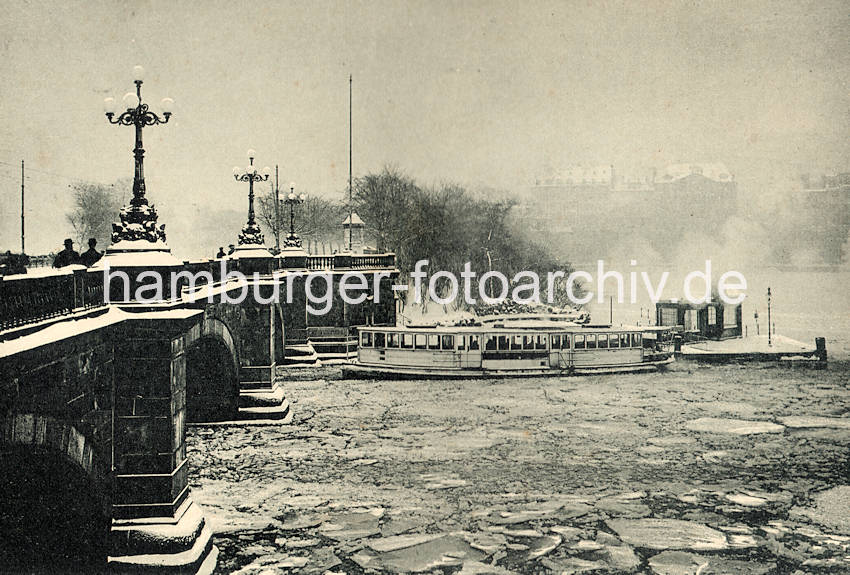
point(95, 397)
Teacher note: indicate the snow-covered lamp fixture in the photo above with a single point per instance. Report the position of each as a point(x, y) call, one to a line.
point(251, 234)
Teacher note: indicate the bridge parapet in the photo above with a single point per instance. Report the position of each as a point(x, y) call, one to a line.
point(48, 293)
point(329, 262)
point(27, 299)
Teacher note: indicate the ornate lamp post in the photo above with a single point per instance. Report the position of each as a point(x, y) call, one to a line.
point(292, 240)
point(138, 220)
point(251, 233)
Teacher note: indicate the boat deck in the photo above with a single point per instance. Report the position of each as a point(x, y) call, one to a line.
point(356, 371)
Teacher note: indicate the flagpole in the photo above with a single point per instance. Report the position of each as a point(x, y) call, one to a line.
point(23, 250)
point(350, 208)
point(276, 212)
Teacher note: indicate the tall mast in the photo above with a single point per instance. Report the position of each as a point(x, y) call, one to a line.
point(276, 212)
point(350, 207)
point(22, 208)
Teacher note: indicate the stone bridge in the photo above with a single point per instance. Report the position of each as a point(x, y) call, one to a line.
point(96, 395)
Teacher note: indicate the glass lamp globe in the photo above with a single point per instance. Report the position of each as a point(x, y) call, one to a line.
point(251, 153)
point(291, 185)
point(267, 171)
point(237, 171)
point(291, 196)
point(302, 197)
point(167, 105)
point(138, 73)
point(130, 100)
point(109, 105)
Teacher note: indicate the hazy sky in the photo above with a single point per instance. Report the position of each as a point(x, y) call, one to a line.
point(483, 93)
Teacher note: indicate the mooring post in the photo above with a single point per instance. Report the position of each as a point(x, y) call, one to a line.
point(820, 348)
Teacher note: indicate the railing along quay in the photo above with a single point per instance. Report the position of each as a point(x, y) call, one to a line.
point(309, 262)
point(350, 261)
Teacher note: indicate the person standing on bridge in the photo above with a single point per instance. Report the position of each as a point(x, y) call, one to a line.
point(220, 253)
point(67, 256)
point(91, 256)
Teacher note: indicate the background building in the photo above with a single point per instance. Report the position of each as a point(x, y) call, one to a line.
point(823, 207)
point(598, 211)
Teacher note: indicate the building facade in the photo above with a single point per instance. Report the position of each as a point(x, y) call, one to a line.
point(712, 320)
point(597, 211)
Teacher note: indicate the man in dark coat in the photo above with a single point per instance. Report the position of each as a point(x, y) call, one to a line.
point(67, 256)
point(91, 256)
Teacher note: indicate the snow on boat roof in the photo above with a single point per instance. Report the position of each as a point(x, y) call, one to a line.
point(544, 326)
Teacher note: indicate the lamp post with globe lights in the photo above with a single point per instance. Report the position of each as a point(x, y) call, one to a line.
point(138, 221)
point(251, 233)
point(151, 531)
point(292, 200)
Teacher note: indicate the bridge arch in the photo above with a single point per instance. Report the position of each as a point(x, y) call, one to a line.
point(55, 497)
point(212, 374)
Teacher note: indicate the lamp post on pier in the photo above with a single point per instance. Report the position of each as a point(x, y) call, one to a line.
point(292, 240)
point(251, 234)
point(138, 221)
point(769, 339)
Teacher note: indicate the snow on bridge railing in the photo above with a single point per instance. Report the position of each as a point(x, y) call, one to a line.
point(44, 293)
point(311, 262)
point(350, 261)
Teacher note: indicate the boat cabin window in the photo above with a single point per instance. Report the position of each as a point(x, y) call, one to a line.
point(503, 342)
point(461, 342)
point(380, 339)
point(449, 342)
point(366, 339)
point(490, 343)
point(540, 341)
point(624, 340)
point(473, 342)
point(603, 340)
point(392, 339)
point(579, 341)
point(407, 341)
point(420, 341)
point(516, 342)
point(712, 315)
point(556, 342)
point(433, 341)
point(528, 342)
point(591, 340)
point(636, 340)
point(614, 340)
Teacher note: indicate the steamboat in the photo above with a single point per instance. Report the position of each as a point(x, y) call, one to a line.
point(519, 346)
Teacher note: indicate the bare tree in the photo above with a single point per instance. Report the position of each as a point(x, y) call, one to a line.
point(385, 199)
point(266, 215)
point(96, 206)
point(317, 219)
point(449, 226)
